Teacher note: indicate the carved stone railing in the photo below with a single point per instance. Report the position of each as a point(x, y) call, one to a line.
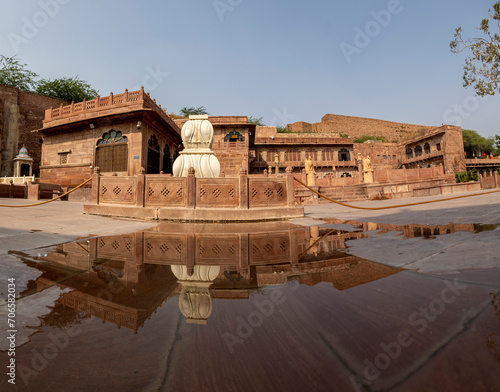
point(156, 190)
point(100, 103)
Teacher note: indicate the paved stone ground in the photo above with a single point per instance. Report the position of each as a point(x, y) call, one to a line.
point(319, 338)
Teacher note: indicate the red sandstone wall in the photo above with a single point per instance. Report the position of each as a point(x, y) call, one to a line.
point(20, 113)
point(358, 127)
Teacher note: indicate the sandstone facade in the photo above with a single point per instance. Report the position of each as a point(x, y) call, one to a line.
point(20, 113)
point(120, 133)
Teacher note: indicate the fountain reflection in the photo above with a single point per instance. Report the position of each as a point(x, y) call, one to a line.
point(124, 279)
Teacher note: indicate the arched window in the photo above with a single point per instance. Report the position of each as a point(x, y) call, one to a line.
point(167, 160)
point(328, 154)
point(418, 150)
point(427, 148)
point(112, 152)
point(409, 153)
point(234, 136)
point(292, 155)
point(312, 154)
point(344, 155)
point(153, 166)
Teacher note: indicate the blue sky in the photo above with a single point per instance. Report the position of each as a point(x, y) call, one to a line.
point(285, 61)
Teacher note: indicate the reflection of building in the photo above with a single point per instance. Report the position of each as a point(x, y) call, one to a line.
point(124, 279)
point(114, 290)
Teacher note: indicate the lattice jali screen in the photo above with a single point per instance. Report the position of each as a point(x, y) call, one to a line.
point(118, 190)
point(116, 247)
point(269, 248)
point(218, 250)
point(166, 192)
point(217, 192)
point(264, 193)
point(165, 248)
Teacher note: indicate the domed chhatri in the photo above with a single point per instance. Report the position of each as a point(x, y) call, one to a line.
point(23, 153)
point(197, 136)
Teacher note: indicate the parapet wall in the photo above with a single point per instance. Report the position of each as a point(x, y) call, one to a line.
point(241, 198)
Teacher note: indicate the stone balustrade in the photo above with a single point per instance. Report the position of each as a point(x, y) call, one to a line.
point(158, 196)
point(104, 103)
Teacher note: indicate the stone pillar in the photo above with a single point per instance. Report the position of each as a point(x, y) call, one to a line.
point(359, 161)
point(96, 185)
point(191, 188)
point(277, 164)
point(141, 184)
point(290, 188)
point(243, 180)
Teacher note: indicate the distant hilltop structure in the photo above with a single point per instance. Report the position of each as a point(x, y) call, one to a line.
point(357, 127)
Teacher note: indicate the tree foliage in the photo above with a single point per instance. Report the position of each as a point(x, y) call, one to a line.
point(475, 145)
point(68, 89)
point(364, 138)
point(256, 121)
point(481, 69)
point(14, 73)
point(193, 111)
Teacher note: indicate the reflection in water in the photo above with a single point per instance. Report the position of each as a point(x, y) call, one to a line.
point(414, 230)
point(123, 279)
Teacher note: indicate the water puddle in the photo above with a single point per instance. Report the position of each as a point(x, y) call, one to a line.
point(193, 307)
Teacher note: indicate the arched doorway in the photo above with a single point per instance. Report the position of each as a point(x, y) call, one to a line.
point(153, 166)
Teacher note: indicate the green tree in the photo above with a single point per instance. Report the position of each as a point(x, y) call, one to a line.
point(68, 89)
point(481, 66)
point(192, 111)
point(475, 145)
point(256, 121)
point(14, 73)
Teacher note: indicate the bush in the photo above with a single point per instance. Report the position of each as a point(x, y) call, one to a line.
point(467, 176)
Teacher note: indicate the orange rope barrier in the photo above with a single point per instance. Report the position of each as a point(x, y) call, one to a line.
point(48, 201)
point(388, 207)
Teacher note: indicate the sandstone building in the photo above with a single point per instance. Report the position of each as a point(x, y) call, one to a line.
point(126, 132)
point(119, 133)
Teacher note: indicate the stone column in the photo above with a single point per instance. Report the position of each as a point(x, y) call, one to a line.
point(290, 188)
point(141, 183)
point(96, 185)
point(243, 181)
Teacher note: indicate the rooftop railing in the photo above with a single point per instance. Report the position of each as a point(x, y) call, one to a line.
point(100, 103)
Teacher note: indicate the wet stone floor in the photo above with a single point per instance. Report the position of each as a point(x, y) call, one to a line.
point(340, 306)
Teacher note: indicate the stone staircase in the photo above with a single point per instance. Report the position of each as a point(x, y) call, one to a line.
point(343, 193)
